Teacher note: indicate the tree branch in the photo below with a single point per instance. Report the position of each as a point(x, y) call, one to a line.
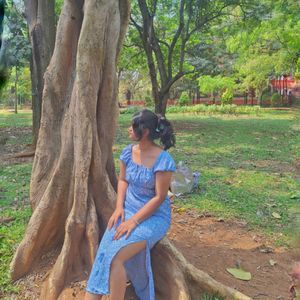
point(167, 87)
point(175, 38)
point(136, 25)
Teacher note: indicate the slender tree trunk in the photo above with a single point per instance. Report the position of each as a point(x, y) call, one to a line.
point(3, 73)
point(16, 90)
point(73, 183)
point(40, 15)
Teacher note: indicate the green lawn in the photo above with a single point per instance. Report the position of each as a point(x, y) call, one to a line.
point(10, 119)
point(247, 165)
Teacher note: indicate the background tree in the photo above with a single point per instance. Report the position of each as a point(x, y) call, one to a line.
point(167, 42)
point(73, 182)
point(216, 85)
point(2, 70)
point(40, 15)
point(15, 50)
point(266, 46)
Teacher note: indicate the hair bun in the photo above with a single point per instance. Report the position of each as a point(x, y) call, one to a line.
point(159, 126)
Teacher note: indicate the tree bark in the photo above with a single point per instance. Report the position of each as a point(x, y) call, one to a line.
point(16, 91)
point(73, 183)
point(40, 15)
point(3, 74)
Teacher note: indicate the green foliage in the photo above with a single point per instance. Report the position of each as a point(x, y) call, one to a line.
point(227, 97)
point(256, 72)
point(23, 85)
point(275, 99)
point(216, 84)
point(148, 101)
point(268, 45)
point(58, 7)
point(297, 71)
point(215, 109)
point(130, 110)
point(15, 53)
point(266, 99)
point(184, 99)
point(16, 44)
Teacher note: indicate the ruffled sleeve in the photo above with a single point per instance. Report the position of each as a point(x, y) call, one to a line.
point(126, 154)
point(166, 163)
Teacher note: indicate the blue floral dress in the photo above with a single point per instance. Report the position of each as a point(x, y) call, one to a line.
point(141, 188)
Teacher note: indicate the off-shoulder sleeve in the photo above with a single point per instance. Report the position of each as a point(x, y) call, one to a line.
point(126, 154)
point(165, 164)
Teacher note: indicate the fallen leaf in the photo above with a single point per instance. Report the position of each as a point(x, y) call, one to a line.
point(265, 249)
point(276, 215)
point(239, 273)
point(181, 209)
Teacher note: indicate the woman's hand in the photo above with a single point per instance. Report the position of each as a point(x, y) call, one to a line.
point(113, 220)
point(125, 227)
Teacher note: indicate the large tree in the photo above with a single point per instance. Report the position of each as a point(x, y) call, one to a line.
point(73, 182)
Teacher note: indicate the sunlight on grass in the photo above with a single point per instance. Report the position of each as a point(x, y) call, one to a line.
point(10, 119)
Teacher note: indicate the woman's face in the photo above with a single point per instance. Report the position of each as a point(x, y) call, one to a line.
point(131, 134)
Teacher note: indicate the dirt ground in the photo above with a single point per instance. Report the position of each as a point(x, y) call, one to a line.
point(213, 245)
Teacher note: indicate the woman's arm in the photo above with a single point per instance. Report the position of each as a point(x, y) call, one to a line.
point(122, 187)
point(162, 183)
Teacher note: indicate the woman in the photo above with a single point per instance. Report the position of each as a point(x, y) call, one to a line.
point(142, 215)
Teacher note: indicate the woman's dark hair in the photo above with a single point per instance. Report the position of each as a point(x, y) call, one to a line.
point(159, 127)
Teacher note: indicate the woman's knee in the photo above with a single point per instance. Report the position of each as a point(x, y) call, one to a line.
point(117, 264)
point(126, 253)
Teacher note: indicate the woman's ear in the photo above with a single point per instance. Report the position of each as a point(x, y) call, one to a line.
point(146, 132)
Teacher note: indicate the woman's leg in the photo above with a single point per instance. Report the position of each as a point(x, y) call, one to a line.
point(89, 296)
point(117, 270)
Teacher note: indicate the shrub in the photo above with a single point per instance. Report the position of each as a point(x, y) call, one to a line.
point(148, 101)
point(266, 99)
point(130, 110)
point(276, 99)
point(227, 97)
point(214, 109)
point(184, 99)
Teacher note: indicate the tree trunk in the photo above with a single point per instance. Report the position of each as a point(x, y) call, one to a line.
point(73, 182)
point(16, 91)
point(161, 102)
point(3, 73)
point(40, 15)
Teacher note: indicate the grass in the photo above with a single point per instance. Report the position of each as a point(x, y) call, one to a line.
point(10, 119)
point(247, 165)
point(14, 191)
